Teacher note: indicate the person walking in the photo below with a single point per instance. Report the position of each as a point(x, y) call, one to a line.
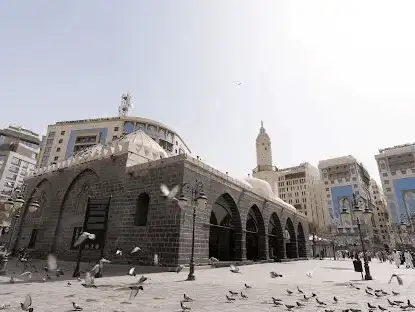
point(397, 258)
point(408, 260)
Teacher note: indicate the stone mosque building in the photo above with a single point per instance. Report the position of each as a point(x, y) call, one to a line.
point(113, 190)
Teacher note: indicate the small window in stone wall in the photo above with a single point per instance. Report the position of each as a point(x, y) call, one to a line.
point(32, 241)
point(76, 232)
point(141, 212)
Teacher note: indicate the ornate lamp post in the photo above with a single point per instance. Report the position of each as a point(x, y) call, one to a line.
point(198, 201)
point(366, 216)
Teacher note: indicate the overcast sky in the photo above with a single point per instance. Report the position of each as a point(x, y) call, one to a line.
point(329, 78)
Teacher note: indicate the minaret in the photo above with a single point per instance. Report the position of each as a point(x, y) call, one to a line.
point(263, 148)
point(265, 170)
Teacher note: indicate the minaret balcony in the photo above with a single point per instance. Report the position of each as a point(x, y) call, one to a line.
point(265, 168)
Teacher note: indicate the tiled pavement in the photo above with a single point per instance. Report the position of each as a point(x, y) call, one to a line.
point(163, 291)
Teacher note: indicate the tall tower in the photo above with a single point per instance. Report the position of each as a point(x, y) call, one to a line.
point(263, 148)
point(265, 170)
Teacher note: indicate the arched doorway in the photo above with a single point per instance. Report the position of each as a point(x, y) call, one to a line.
point(291, 244)
point(275, 238)
point(302, 247)
point(225, 230)
point(254, 239)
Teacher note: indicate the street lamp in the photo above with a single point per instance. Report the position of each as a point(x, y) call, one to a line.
point(198, 201)
point(366, 216)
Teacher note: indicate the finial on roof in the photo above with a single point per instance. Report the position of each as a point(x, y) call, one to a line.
point(262, 129)
point(262, 124)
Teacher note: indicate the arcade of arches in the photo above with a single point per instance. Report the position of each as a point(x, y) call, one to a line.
point(226, 234)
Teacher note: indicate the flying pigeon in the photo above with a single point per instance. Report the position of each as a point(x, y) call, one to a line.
point(83, 237)
point(187, 298)
point(179, 268)
point(118, 252)
point(135, 249)
point(134, 291)
point(398, 278)
point(234, 268)
point(26, 306)
point(76, 307)
point(142, 279)
point(169, 194)
point(28, 273)
point(89, 281)
point(131, 272)
point(184, 307)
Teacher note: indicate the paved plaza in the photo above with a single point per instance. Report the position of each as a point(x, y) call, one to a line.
point(164, 291)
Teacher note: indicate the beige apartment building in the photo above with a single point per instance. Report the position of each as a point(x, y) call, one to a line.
point(302, 187)
point(66, 138)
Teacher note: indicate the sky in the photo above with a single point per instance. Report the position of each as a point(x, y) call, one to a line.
point(328, 78)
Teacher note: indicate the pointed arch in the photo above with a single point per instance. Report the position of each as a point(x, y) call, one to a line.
point(72, 209)
point(255, 235)
point(301, 242)
point(142, 207)
point(291, 244)
point(275, 238)
point(225, 233)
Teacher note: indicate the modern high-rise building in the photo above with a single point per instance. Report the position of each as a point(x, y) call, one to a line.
point(382, 232)
point(397, 173)
point(19, 149)
point(302, 187)
point(343, 177)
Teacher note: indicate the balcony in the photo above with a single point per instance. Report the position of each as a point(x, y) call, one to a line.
point(265, 168)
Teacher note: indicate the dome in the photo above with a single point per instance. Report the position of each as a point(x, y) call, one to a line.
point(142, 145)
point(261, 186)
point(244, 182)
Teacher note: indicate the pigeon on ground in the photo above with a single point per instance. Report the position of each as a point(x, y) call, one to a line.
point(131, 272)
point(134, 291)
point(247, 286)
point(184, 307)
point(320, 302)
point(213, 260)
point(289, 306)
point(26, 305)
point(233, 293)
point(230, 298)
point(274, 274)
point(369, 288)
point(76, 307)
point(398, 301)
point(410, 304)
point(398, 278)
point(234, 268)
point(299, 290)
point(167, 193)
point(309, 274)
point(243, 296)
point(382, 308)
point(392, 303)
point(187, 298)
point(368, 292)
point(335, 299)
point(118, 252)
point(83, 237)
point(300, 305)
point(277, 302)
point(371, 306)
point(306, 298)
point(289, 292)
point(395, 293)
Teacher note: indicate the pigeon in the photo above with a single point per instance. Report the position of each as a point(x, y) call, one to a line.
point(134, 291)
point(26, 306)
point(274, 274)
point(289, 306)
point(156, 259)
point(371, 306)
point(5, 306)
point(142, 279)
point(179, 268)
point(89, 281)
point(398, 301)
point(131, 272)
point(320, 302)
point(277, 302)
point(247, 286)
point(234, 268)
point(335, 299)
point(289, 292)
point(300, 305)
point(369, 288)
point(306, 298)
point(28, 273)
point(76, 307)
point(395, 293)
point(230, 298)
point(187, 298)
point(368, 292)
point(83, 237)
point(410, 304)
point(184, 308)
point(309, 274)
point(68, 283)
point(276, 299)
point(213, 260)
point(243, 296)
point(313, 295)
point(169, 194)
point(398, 278)
point(378, 295)
point(233, 293)
point(299, 290)
point(135, 249)
point(118, 252)
point(382, 308)
point(392, 303)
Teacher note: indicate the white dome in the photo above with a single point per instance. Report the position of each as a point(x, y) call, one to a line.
point(141, 144)
point(261, 186)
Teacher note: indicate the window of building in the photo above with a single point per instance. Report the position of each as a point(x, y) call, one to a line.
point(386, 181)
point(328, 195)
point(354, 179)
point(11, 176)
point(116, 128)
point(56, 158)
point(142, 206)
point(403, 171)
point(58, 149)
point(393, 173)
point(62, 132)
point(60, 141)
point(385, 174)
point(14, 169)
point(51, 134)
point(75, 234)
point(388, 189)
point(332, 181)
point(32, 241)
point(114, 137)
point(16, 161)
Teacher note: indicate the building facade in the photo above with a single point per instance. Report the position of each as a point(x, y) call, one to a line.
point(302, 187)
point(19, 149)
point(383, 231)
point(243, 219)
point(66, 138)
point(397, 173)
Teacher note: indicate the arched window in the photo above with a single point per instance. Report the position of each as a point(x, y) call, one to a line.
point(141, 210)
